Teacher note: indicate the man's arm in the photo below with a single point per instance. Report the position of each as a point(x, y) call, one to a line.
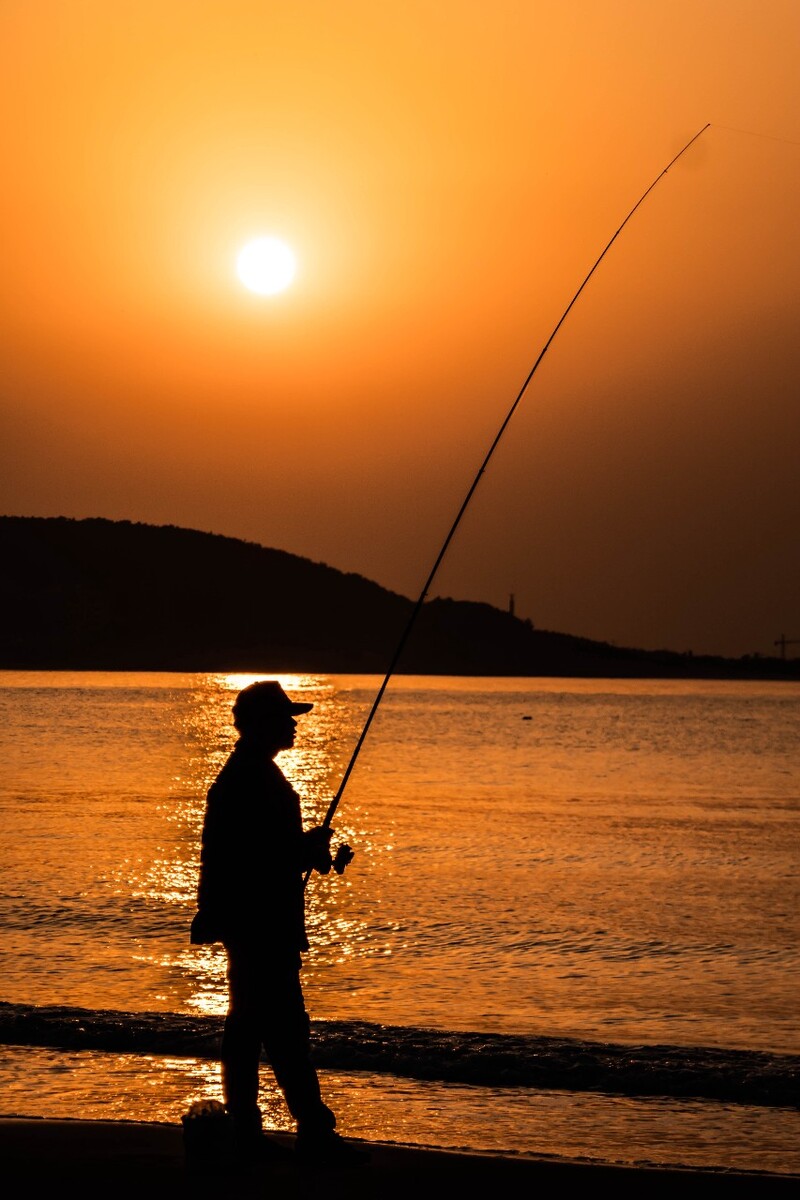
point(205, 929)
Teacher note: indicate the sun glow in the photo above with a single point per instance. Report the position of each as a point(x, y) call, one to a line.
point(266, 266)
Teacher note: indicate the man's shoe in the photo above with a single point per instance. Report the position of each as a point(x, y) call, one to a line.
point(328, 1150)
point(260, 1148)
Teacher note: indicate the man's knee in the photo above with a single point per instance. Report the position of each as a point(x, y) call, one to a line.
point(240, 1034)
point(286, 1036)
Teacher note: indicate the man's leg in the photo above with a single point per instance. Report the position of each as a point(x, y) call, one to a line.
point(285, 1033)
point(241, 1043)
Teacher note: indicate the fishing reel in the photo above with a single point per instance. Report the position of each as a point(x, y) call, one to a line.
point(339, 861)
point(342, 857)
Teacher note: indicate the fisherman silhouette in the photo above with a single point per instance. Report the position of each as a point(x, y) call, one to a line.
point(251, 898)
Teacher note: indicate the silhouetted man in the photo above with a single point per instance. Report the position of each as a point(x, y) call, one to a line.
point(250, 897)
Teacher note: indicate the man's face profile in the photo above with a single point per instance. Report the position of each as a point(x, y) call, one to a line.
point(284, 729)
point(274, 731)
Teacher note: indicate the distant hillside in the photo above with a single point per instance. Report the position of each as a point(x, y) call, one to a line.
point(97, 594)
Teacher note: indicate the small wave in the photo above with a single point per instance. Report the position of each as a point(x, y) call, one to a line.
point(117, 912)
point(482, 1059)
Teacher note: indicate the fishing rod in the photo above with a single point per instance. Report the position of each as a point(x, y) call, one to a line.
point(334, 804)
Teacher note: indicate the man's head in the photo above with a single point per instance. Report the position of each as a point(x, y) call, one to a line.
point(264, 711)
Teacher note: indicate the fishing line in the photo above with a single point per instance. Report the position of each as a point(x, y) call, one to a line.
point(770, 137)
point(334, 804)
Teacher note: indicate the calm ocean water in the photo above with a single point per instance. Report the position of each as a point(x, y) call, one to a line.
point(571, 926)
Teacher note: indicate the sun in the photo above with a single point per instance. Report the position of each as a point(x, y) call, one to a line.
point(266, 265)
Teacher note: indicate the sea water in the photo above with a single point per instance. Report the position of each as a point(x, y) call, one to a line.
point(570, 927)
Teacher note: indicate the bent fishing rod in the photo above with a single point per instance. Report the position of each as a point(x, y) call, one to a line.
point(334, 804)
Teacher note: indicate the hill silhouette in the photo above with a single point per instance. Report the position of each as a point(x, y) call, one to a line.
point(96, 594)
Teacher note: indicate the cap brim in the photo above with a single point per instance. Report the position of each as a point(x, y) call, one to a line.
point(296, 709)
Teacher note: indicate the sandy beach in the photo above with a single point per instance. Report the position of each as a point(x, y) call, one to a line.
point(121, 1159)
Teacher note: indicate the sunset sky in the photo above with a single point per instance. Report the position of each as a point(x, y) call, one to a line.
point(446, 174)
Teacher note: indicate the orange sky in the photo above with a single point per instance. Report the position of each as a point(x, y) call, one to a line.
point(446, 173)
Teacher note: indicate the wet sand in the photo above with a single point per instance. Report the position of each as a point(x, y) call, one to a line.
point(126, 1159)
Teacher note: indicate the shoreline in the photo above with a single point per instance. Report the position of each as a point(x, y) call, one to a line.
point(122, 1158)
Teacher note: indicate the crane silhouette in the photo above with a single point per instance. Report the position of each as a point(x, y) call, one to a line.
point(783, 642)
